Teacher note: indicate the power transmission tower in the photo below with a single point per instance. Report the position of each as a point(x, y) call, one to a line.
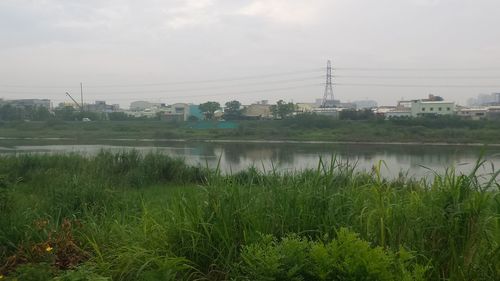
point(328, 99)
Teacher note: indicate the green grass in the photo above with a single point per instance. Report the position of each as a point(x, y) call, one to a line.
point(132, 217)
point(304, 128)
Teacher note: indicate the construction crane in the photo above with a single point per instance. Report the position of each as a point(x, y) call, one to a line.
point(79, 105)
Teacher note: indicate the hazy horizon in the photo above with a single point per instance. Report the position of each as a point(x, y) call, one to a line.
point(172, 51)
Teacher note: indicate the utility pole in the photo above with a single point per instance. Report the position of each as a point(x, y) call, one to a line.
point(328, 97)
point(81, 94)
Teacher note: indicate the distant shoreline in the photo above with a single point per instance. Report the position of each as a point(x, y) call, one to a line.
point(411, 133)
point(413, 143)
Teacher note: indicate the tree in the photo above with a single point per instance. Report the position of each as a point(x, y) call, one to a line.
point(232, 111)
point(66, 113)
point(119, 116)
point(10, 113)
point(209, 108)
point(282, 109)
point(352, 114)
point(41, 114)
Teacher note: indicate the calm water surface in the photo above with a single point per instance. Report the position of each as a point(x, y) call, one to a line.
point(414, 160)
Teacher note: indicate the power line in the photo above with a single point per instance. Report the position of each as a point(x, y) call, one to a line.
point(415, 69)
point(416, 77)
point(216, 94)
point(416, 85)
point(281, 74)
point(262, 76)
point(189, 89)
point(235, 93)
point(217, 87)
point(229, 79)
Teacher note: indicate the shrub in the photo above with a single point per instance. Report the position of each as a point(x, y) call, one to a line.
point(345, 258)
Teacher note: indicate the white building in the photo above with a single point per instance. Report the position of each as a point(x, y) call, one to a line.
point(421, 108)
point(472, 113)
point(176, 112)
point(143, 105)
point(398, 113)
point(331, 112)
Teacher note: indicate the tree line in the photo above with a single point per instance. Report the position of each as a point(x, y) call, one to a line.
point(10, 112)
point(233, 111)
point(280, 110)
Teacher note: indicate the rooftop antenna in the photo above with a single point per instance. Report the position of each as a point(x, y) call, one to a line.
point(328, 87)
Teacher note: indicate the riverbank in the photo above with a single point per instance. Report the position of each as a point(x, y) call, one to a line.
point(242, 141)
point(363, 132)
point(128, 216)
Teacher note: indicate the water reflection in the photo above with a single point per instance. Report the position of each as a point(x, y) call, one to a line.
point(417, 160)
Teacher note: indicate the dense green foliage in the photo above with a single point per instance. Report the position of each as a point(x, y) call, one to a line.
point(209, 108)
point(12, 113)
point(365, 114)
point(128, 216)
point(282, 109)
point(345, 258)
point(233, 110)
point(300, 128)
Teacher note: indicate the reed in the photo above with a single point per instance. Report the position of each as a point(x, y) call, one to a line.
point(129, 216)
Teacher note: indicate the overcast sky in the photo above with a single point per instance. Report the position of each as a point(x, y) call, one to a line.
point(124, 50)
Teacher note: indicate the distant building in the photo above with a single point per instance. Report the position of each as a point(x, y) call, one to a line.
point(102, 107)
point(402, 110)
point(348, 105)
point(479, 113)
point(26, 103)
point(433, 105)
point(257, 111)
point(67, 104)
point(433, 98)
point(382, 110)
point(472, 113)
point(329, 103)
point(147, 113)
point(143, 105)
point(331, 112)
point(404, 104)
point(485, 100)
point(493, 113)
point(398, 113)
point(305, 107)
point(176, 112)
point(421, 108)
point(365, 104)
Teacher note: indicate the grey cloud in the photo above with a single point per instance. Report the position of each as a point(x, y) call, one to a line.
point(107, 42)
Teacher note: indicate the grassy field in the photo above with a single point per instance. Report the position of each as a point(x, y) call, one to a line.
point(305, 128)
point(131, 217)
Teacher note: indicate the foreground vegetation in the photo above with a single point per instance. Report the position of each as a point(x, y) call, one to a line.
point(300, 128)
point(131, 217)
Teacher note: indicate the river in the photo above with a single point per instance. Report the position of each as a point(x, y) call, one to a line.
point(414, 160)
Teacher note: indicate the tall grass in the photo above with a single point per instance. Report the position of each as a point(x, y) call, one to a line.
point(150, 217)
